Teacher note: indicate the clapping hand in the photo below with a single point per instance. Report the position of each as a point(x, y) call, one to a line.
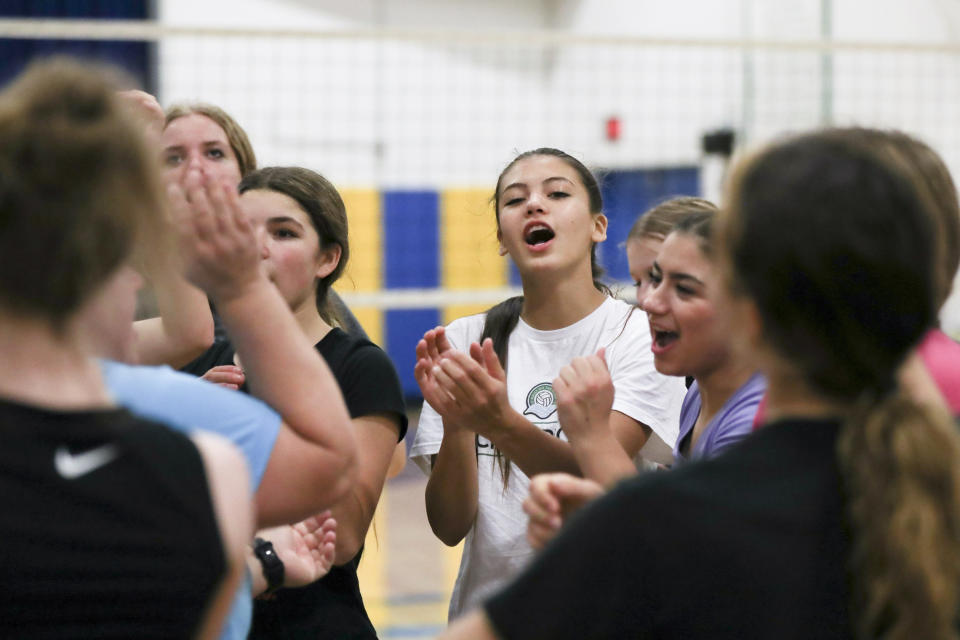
point(553, 497)
point(584, 394)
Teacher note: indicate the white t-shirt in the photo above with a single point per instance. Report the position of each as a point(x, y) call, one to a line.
point(496, 547)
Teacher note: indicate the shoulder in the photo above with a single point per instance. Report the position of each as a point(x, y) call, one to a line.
point(623, 316)
point(742, 406)
point(462, 331)
point(160, 393)
point(366, 375)
point(344, 352)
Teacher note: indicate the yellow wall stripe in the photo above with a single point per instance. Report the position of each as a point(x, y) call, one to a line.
point(365, 269)
point(372, 571)
point(468, 241)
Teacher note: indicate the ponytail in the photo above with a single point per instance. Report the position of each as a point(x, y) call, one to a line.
point(499, 323)
point(900, 463)
point(330, 312)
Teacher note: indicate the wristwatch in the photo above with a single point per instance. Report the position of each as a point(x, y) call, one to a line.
point(270, 562)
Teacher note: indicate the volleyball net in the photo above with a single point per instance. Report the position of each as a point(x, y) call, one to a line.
point(414, 126)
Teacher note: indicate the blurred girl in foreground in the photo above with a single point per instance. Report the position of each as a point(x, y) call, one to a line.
point(115, 526)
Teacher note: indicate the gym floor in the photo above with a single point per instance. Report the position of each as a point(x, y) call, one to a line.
point(406, 573)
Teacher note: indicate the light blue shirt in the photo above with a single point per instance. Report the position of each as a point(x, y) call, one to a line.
point(186, 404)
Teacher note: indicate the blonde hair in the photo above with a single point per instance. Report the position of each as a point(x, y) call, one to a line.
point(236, 136)
point(660, 220)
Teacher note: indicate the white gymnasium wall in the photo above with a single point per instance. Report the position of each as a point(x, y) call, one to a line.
point(408, 113)
point(443, 112)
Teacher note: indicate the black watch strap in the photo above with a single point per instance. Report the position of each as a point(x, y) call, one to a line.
point(271, 563)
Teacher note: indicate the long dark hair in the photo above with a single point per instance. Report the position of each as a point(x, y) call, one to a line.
point(321, 201)
point(502, 318)
point(835, 248)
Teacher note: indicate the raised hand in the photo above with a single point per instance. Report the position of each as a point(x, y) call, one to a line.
point(226, 375)
point(219, 244)
point(584, 394)
point(553, 497)
point(147, 110)
point(429, 353)
point(476, 389)
point(435, 344)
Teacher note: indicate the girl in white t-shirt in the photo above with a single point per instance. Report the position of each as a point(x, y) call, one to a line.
point(486, 427)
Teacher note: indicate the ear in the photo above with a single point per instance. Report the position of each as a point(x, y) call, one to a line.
point(328, 260)
point(599, 228)
point(502, 250)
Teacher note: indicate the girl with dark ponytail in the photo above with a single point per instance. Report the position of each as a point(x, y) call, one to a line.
point(497, 409)
point(841, 517)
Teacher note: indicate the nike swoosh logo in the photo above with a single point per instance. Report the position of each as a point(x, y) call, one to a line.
point(72, 466)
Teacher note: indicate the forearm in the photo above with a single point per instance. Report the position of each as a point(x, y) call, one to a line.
point(602, 458)
point(184, 328)
point(377, 440)
point(532, 449)
point(284, 370)
point(452, 490)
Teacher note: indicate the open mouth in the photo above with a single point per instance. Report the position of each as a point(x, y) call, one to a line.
point(663, 339)
point(538, 234)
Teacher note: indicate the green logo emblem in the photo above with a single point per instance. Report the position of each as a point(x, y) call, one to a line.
point(540, 401)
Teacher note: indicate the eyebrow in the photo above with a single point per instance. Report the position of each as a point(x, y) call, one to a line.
point(283, 220)
point(676, 275)
point(207, 143)
point(524, 184)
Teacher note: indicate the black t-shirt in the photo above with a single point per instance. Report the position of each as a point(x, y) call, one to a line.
point(349, 321)
point(751, 544)
point(331, 607)
point(107, 526)
point(365, 374)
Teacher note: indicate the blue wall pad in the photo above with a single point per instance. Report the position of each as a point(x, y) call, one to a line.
point(411, 239)
point(403, 329)
point(514, 275)
point(627, 194)
point(136, 58)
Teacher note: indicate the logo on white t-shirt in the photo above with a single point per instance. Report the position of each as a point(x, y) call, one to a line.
point(541, 401)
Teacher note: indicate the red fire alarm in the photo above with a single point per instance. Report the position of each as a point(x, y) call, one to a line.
point(613, 128)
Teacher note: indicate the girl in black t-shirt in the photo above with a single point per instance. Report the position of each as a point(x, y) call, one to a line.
point(301, 223)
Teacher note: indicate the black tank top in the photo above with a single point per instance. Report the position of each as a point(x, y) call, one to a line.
point(106, 527)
